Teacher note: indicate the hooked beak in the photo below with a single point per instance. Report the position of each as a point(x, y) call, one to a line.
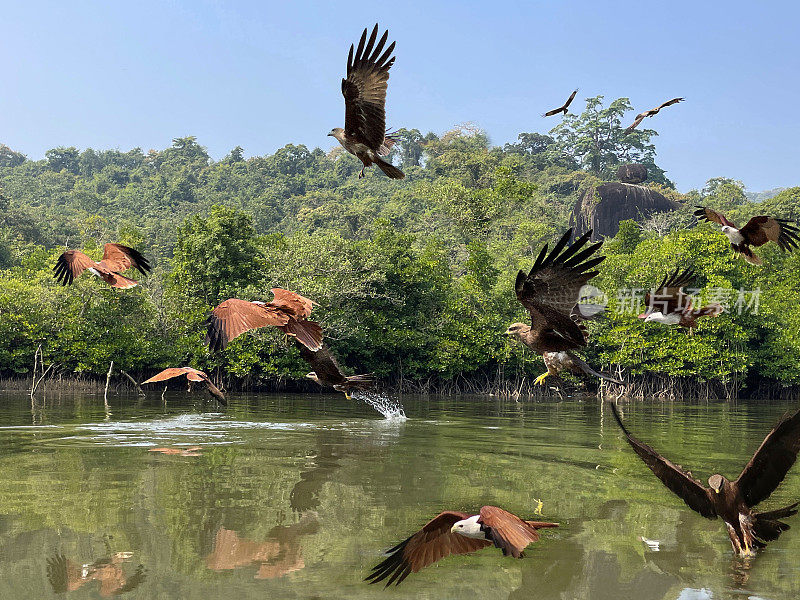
point(716, 490)
point(330, 134)
point(644, 315)
point(508, 332)
point(453, 529)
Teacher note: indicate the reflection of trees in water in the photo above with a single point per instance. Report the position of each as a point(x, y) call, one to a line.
point(276, 556)
point(65, 575)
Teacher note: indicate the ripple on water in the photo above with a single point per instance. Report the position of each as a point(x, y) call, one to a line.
point(207, 428)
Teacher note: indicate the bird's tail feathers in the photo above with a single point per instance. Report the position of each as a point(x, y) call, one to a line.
point(748, 254)
point(541, 524)
point(714, 309)
point(583, 366)
point(119, 281)
point(389, 169)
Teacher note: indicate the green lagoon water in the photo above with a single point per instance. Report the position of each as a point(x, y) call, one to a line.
point(297, 496)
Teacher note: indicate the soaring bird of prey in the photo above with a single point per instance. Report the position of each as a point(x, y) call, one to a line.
point(193, 376)
point(364, 91)
point(327, 373)
point(549, 292)
point(288, 311)
point(116, 258)
point(452, 532)
point(562, 108)
point(651, 113)
point(733, 501)
point(558, 362)
point(670, 305)
point(758, 231)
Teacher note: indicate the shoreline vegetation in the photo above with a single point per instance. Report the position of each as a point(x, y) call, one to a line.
point(520, 388)
point(413, 278)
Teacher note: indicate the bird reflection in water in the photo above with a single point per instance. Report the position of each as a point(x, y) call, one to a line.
point(278, 555)
point(67, 576)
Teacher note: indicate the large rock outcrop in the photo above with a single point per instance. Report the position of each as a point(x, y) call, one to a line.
point(602, 207)
point(632, 173)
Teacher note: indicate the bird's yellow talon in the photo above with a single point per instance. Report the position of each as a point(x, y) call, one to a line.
point(539, 504)
point(540, 379)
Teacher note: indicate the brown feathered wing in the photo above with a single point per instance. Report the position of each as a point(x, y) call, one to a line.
point(233, 317)
point(508, 532)
point(433, 542)
point(692, 492)
point(364, 89)
point(171, 372)
point(771, 461)
point(551, 288)
point(762, 229)
point(669, 296)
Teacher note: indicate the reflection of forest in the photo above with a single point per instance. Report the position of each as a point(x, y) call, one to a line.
point(276, 556)
point(306, 511)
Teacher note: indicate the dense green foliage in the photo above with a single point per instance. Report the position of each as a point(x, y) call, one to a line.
point(413, 278)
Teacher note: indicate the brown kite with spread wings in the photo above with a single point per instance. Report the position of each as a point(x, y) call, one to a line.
point(651, 113)
point(670, 305)
point(193, 376)
point(733, 501)
point(562, 108)
point(327, 373)
point(116, 258)
point(452, 532)
point(364, 90)
point(758, 231)
point(549, 292)
point(288, 311)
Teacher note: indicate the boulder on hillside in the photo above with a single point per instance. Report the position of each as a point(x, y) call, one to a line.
point(602, 207)
point(632, 173)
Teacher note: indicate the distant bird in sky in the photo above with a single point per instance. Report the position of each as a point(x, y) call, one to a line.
point(364, 91)
point(116, 258)
point(758, 231)
point(549, 292)
point(452, 532)
point(671, 305)
point(288, 311)
point(562, 108)
point(327, 373)
point(651, 113)
point(732, 501)
point(192, 375)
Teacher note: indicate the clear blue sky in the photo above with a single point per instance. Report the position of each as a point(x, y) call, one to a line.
point(261, 74)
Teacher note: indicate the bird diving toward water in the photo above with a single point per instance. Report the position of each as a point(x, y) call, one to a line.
point(549, 292)
point(364, 90)
point(287, 311)
point(758, 231)
point(193, 376)
point(651, 113)
point(733, 501)
point(327, 373)
point(670, 305)
point(116, 258)
point(452, 532)
point(563, 107)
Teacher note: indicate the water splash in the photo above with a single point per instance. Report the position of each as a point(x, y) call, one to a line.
point(392, 410)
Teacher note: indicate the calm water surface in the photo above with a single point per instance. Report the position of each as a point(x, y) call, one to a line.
point(296, 497)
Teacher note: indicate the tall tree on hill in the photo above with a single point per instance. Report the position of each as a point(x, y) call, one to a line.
point(597, 141)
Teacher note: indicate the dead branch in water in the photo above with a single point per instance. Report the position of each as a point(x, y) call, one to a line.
point(134, 382)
